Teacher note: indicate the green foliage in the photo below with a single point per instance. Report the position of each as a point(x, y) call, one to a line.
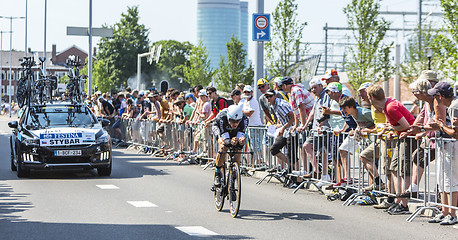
point(369, 30)
point(233, 70)
point(285, 38)
point(100, 76)
point(198, 71)
point(445, 43)
point(118, 55)
point(415, 60)
point(174, 57)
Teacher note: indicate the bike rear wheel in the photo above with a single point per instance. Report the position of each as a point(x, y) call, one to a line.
point(235, 189)
point(219, 192)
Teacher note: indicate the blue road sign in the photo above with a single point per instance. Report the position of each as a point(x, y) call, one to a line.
point(261, 27)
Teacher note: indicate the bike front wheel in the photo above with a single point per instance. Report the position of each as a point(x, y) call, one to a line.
point(219, 192)
point(235, 189)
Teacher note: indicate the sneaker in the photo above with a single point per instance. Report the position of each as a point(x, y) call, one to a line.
point(320, 184)
point(217, 180)
point(375, 187)
point(437, 219)
point(449, 220)
point(343, 182)
point(399, 210)
point(395, 205)
point(407, 194)
point(373, 194)
point(384, 205)
point(367, 201)
point(299, 173)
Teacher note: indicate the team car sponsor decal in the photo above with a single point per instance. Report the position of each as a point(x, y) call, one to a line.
point(60, 138)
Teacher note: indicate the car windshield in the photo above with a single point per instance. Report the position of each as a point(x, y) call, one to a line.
point(49, 116)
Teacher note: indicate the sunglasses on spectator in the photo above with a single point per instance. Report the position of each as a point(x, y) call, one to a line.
point(208, 93)
point(269, 96)
point(261, 86)
point(246, 92)
point(415, 91)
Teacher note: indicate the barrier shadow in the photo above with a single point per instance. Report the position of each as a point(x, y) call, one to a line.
point(11, 204)
point(256, 215)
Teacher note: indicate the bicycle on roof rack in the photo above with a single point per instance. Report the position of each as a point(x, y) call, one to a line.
point(76, 82)
point(45, 85)
point(25, 92)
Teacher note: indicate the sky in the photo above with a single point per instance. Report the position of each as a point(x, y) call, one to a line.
point(165, 19)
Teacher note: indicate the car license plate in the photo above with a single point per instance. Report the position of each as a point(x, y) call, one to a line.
point(63, 153)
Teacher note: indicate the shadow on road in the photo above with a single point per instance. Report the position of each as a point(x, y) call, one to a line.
point(11, 204)
point(264, 216)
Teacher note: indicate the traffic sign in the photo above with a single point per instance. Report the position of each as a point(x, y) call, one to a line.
point(261, 27)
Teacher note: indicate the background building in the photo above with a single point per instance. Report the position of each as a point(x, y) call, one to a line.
point(217, 21)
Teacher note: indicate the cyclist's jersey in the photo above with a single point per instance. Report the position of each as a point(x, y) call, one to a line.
point(222, 128)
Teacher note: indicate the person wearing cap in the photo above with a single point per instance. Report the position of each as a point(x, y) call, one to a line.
point(250, 107)
point(447, 160)
point(277, 88)
point(330, 76)
point(263, 86)
point(301, 101)
point(363, 94)
point(429, 75)
point(190, 100)
point(236, 96)
point(284, 113)
point(399, 119)
point(318, 121)
point(185, 110)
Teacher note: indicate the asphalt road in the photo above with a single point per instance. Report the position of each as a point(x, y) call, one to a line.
point(149, 198)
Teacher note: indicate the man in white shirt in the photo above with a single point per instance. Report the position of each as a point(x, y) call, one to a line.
point(251, 107)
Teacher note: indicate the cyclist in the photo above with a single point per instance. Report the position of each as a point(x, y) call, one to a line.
point(229, 128)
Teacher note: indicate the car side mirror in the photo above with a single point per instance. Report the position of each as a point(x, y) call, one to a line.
point(13, 124)
point(105, 122)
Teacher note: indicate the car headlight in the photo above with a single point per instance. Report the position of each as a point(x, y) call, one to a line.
point(103, 139)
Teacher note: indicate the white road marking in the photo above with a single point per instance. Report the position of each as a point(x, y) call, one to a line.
point(197, 231)
point(141, 204)
point(140, 161)
point(108, 186)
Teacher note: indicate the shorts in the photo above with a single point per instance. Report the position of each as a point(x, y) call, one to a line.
point(117, 124)
point(336, 141)
point(349, 145)
point(402, 153)
point(319, 142)
point(447, 166)
point(418, 157)
point(291, 143)
point(378, 150)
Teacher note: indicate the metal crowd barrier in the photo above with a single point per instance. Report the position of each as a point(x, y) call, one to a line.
point(429, 163)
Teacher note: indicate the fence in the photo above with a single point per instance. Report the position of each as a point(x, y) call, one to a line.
point(427, 166)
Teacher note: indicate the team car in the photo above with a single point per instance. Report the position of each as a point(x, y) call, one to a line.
point(59, 136)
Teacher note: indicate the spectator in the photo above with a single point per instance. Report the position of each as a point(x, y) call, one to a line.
point(263, 86)
point(363, 94)
point(134, 96)
point(277, 87)
point(190, 100)
point(165, 116)
point(236, 96)
point(282, 109)
point(429, 75)
point(319, 121)
point(301, 101)
point(108, 110)
point(331, 76)
point(156, 107)
point(131, 110)
point(399, 119)
point(447, 160)
point(145, 106)
point(251, 107)
point(218, 103)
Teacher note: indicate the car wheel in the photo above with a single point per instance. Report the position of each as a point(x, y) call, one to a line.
point(21, 172)
point(13, 167)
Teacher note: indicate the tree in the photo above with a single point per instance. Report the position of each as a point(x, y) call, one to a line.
point(174, 56)
point(285, 38)
point(119, 54)
point(198, 71)
point(368, 31)
point(233, 70)
point(415, 61)
point(444, 45)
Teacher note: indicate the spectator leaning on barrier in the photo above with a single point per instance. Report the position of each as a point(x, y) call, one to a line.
point(165, 115)
point(427, 115)
point(284, 113)
point(218, 103)
point(447, 161)
point(250, 107)
point(201, 137)
point(301, 101)
point(277, 87)
point(399, 119)
point(155, 105)
point(363, 120)
point(330, 76)
point(263, 86)
point(190, 100)
point(363, 94)
point(197, 109)
point(319, 122)
point(131, 110)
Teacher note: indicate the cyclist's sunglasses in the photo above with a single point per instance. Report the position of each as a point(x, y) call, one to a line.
point(234, 121)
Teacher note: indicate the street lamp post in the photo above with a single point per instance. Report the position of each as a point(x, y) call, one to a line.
point(429, 54)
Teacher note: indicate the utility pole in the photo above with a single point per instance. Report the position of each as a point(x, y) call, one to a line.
point(259, 70)
point(419, 27)
point(326, 47)
point(397, 77)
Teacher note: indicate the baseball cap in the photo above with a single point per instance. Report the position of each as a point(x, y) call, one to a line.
point(203, 92)
point(261, 81)
point(364, 85)
point(270, 92)
point(248, 88)
point(142, 93)
point(286, 80)
point(235, 92)
point(334, 87)
point(315, 81)
point(443, 88)
point(329, 73)
point(277, 81)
